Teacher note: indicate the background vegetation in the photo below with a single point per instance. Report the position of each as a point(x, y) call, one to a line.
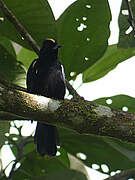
point(83, 31)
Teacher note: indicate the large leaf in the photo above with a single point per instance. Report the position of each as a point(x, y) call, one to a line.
point(109, 61)
point(126, 35)
point(83, 31)
point(7, 45)
point(66, 175)
point(99, 150)
point(48, 164)
point(118, 102)
point(44, 168)
point(36, 16)
point(87, 35)
point(26, 57)
point(63, 157)
point(10, 69)
point(128, 150)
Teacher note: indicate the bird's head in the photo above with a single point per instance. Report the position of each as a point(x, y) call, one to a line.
point(49, 46)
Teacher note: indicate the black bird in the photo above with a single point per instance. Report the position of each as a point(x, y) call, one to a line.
point(45, 77)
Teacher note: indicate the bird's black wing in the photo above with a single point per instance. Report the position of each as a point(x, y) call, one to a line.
point(31, 77)
point(55, 83)
point(48, 82)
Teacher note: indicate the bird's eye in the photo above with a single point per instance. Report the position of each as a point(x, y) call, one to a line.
point(51, 40)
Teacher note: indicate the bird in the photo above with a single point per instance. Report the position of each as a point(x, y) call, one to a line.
point(45, 77)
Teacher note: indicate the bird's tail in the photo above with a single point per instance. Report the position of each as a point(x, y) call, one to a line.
point(46, 139)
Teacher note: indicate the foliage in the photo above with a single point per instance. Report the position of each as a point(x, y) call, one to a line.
point(83, 30)
point(118, 102)
point(111, 58)
point(126, 36)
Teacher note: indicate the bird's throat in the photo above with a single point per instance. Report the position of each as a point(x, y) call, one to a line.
point(48, 57)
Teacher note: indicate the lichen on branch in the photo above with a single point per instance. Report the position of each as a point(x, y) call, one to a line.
point(77, 114)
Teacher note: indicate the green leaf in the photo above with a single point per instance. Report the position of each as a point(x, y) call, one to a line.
point(63, 157)
point(66, 175)
point(112, 57)
point(83, 31)
point(44, 168)
point(47, 164)
point(118, 102)
point(4, 128)
point(26, 56)
point(124, 148)
point(29, 147)
point(36, 16)
point(126, 38)
point(98, 150)
point(10, 69)
point(7, 45)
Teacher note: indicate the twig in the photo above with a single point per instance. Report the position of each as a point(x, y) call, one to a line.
point(124, 175)
point(3, 170)
point(20, 154)
point(10, 16)
point(72, 90)
point(131, 17)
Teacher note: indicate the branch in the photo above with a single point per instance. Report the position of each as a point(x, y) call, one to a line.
point(131, 17)
point(9, 116)
point(77, 114)
point(124, 175)
point(72, 90)
point(11, 17)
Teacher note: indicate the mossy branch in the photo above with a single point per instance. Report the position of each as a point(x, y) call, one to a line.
point(80, 115)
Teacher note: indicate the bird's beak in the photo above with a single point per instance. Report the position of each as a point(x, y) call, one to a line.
point(57, 46)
